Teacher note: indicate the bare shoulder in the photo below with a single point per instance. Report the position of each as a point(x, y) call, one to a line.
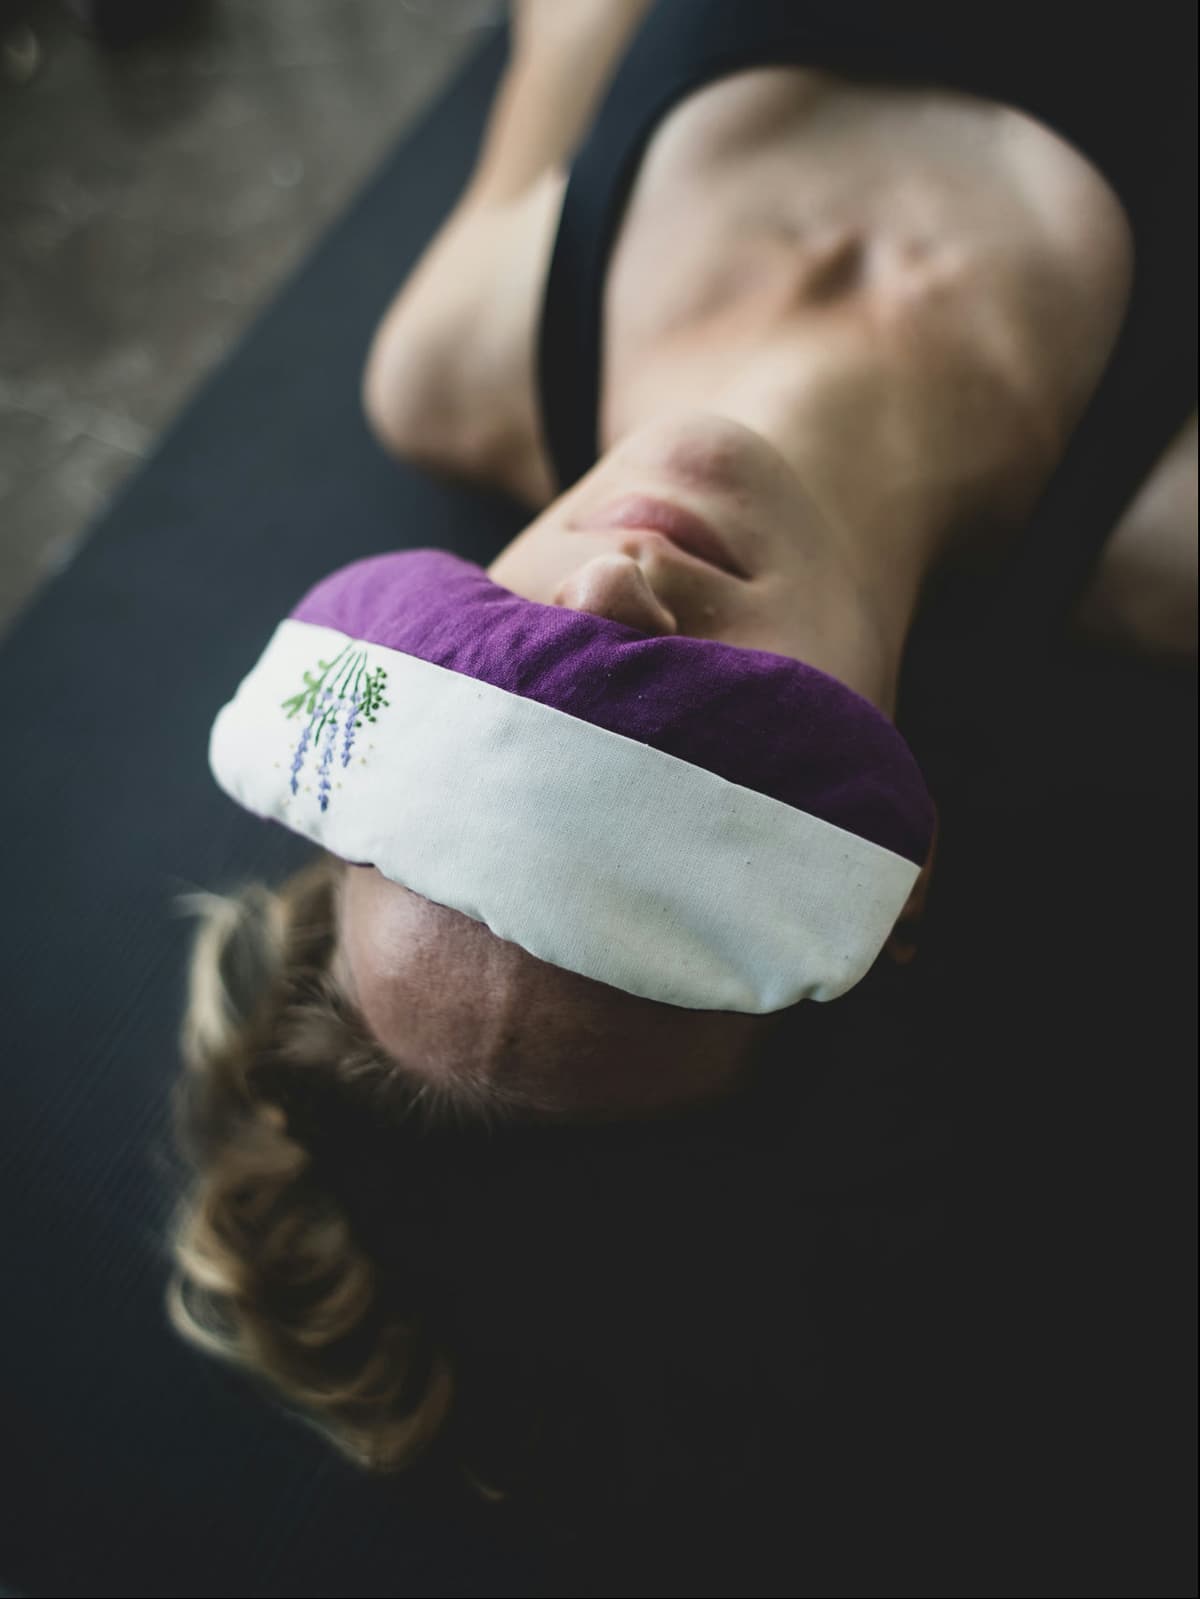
point(1143, 594)
point(450, 380)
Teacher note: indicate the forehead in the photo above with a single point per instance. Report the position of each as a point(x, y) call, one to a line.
point(433, 984)
point(405, 960)
point(444, 995)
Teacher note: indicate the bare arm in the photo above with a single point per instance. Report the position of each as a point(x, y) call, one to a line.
point(1143, 595)
point(449, 377)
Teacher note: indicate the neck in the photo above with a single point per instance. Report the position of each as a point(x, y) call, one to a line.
point(871, 534)
point(888, 503)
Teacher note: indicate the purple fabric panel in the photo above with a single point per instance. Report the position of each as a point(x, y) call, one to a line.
point(763, 721)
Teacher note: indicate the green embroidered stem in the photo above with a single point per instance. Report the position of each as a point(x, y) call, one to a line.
point(306, 699)
point(344, 675)
point(343, 695)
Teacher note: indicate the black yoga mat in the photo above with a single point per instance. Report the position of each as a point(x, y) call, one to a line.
point(131, 1465)
point(995, 1166)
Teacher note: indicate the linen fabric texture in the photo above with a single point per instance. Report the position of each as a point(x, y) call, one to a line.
point(704, 825)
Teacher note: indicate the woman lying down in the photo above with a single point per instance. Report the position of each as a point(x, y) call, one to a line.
point(766, 345)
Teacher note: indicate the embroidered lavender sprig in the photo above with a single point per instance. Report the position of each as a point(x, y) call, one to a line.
point(351, 725)
point(366, 699)
point(324, 696)
point(324, 778)
point(301, 751)
point(316, 687)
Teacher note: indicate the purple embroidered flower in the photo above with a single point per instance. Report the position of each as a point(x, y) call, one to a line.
point(301, 751)
point(351, 726)
point(324, 778)
point(345, 691)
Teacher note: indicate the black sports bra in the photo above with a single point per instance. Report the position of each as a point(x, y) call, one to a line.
point(1122, 90)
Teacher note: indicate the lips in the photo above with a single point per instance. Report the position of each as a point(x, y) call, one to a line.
point(684, 529)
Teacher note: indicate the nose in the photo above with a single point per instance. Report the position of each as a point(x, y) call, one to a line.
point(616, 587)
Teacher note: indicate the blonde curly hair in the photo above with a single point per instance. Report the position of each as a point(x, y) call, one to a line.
point(417, 1269)
point(274, 1267)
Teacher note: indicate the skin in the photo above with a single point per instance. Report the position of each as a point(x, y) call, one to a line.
point(807, 592)
point(449, 1000)
point(891, 334)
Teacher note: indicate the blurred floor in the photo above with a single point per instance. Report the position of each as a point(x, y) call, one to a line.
point(151, 199)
